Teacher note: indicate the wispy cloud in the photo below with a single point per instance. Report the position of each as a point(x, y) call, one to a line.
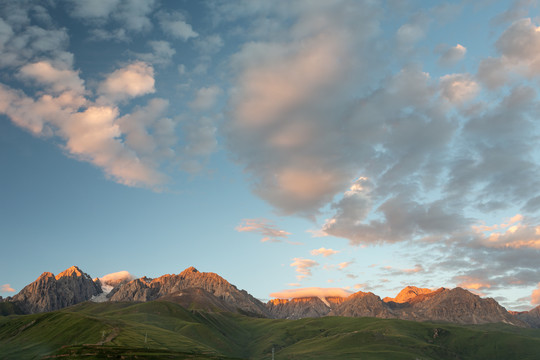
point(264, 227)
point(6, 288)
point(323, 251)
point(303, 267)
point(344, 265)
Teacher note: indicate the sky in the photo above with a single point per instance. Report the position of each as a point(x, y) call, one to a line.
point(325, 146)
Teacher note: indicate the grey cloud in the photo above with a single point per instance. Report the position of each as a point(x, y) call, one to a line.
point(174, 24)
point(200, 141)
point(450, 55)
point(161, 54)
point(124, 15)
point(19, 45)
point(499, 163)
point(93, 9)
point(289, 125)
point(518, 10)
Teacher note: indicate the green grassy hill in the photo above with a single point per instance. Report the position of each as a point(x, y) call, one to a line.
point(166, 330)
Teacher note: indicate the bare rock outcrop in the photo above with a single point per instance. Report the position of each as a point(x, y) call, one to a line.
point(419, 304)
point(362, 304)
point(408, 293)
point(457, 306)
point(145, 289)
point(49, 292)
point(532, 317)
point(299, 308)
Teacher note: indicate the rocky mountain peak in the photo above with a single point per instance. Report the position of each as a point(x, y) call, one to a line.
point(46, 275)
point(190, 270)
point(73, 271)
point(153, 289)
point(49, 292)
point(297, 308)
point(408, 293)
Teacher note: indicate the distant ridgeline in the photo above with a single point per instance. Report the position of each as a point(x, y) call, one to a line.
point(194, 315)
point(210, 292)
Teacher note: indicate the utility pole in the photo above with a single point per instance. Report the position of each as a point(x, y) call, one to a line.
point(272, 353)
point(145, 339)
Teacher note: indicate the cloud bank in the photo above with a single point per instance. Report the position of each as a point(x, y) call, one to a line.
point(310, 292)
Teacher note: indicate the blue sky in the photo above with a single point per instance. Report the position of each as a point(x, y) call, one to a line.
point(360, 145)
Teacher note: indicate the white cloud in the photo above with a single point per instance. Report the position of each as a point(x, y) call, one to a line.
point(324, 252)
point(91, 131)
point(57, 80)
point(133, 80)
point(264, 227)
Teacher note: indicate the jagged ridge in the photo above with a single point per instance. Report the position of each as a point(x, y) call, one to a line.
point(210, 292)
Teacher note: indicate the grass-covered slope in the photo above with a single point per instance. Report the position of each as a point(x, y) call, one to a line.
point(162, 329)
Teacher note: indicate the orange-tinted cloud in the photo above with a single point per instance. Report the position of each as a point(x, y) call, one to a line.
point(472, 283)
point(6, 288)
point(323, 251)
point(116, 277)
point(513, 233)
point(535, 296)
point(303, 266)
point(310, 292)
point(133, 80)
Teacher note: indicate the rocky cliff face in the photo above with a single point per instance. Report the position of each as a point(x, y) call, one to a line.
point(408, 293)
point(145, 289)
point(210, 292)
point(50, 292)
point(363, 304)
point(302, 307)
point(532, 317)
point(455, 305)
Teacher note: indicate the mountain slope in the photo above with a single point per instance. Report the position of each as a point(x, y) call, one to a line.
point(299, 308)
point(145, 289)
point(363, 304)
point(102, 330)
point(531, 317)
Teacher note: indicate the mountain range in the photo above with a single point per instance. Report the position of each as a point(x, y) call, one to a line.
point(210, 292)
